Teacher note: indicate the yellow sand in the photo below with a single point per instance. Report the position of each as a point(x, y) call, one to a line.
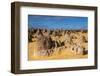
point(64, 54)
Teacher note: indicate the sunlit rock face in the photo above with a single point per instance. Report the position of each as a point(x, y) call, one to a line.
point(56, 44)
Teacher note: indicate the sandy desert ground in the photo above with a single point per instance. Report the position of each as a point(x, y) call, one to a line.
point(57, 44)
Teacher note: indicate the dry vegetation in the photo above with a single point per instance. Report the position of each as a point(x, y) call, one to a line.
point(57, 44)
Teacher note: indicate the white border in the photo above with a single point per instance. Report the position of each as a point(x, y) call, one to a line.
point(25, 64)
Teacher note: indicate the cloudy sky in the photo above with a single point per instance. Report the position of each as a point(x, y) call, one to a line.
point(57, 22)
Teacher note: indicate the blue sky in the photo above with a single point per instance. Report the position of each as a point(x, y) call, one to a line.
point(57, 22)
